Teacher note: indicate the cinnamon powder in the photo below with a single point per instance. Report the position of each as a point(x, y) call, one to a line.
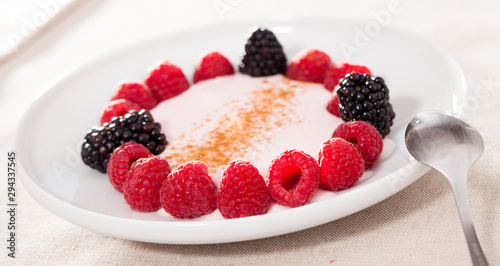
point(252, 123)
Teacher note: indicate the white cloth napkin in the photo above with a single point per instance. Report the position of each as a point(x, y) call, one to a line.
point(20, 21)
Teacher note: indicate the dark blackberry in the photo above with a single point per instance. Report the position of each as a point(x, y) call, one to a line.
point(366, 98)
point(135, 126)
point(263, 55)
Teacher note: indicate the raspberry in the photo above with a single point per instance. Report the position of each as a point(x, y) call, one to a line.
point(365, 137)
point(212, 65)
point(137, 93)
point(263, 55)
point(189, 192)
point(142, 188)
point(242, 191)
point(341, 164)
point(116, 108)
point(309, 65)
point(293, 177)
point(366, 98)
point(120, 161)
point(333, 105)
point(166, 81)
point(334, 74)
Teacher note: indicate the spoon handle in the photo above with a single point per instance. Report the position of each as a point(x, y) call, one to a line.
point(460, 191)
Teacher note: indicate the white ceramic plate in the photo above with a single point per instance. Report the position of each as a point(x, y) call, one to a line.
point(419, 75)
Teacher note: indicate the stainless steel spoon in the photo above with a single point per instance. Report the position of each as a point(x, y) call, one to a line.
point(450, 146)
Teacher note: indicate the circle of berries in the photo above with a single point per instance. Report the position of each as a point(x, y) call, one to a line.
point(292, 177)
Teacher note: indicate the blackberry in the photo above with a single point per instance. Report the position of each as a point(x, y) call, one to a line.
point(366, 98)
point(263, 55)
point(135, 126)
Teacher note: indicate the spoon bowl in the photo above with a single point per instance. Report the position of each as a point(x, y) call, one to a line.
point(450, 146)
point(439, 140)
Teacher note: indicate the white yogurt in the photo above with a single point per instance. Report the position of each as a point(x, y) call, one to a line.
point(245, 118)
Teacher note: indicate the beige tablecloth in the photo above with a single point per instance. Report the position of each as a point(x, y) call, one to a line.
point(417, 226)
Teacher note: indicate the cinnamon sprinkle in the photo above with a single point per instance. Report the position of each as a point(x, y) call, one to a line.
point(252, 123)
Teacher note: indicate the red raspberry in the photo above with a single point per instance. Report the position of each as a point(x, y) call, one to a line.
point(212, 65)
point(333, 105)
point(309, 65)
point(334, 74)
point(189, 192)
point(137, 93)
point(293, 177)
point(120, 161)
point(242, 191)
point(166, 81)
point(365, 137)
point(142, 188)
point(118, 107)
point(341, 164)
